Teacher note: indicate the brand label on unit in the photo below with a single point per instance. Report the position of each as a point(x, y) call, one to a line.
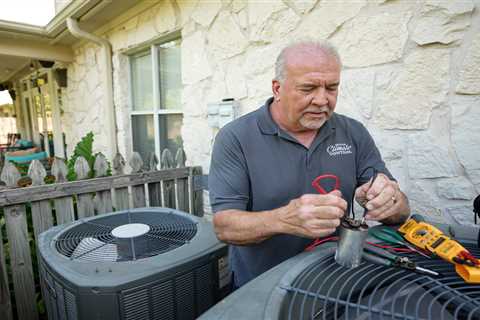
point(224, 274)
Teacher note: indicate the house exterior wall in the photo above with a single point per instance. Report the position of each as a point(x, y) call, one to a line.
point(410, 75)
point(84, 108)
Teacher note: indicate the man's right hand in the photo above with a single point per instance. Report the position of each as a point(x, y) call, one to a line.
point(313, 215)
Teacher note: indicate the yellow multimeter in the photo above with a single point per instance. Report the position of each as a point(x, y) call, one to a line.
point(428, 237)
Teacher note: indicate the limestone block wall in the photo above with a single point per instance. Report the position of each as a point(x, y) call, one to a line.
point(411, 75)
point(84, 100)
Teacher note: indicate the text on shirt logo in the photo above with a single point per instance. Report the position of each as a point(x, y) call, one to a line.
point(339, 148)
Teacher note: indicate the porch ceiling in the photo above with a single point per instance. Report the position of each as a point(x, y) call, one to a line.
point(10, 65)
point(20, 43)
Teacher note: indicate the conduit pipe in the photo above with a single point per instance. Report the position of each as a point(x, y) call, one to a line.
point(107, 76)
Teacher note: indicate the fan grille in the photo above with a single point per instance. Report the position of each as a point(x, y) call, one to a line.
point(92, 240)
point(325, 290)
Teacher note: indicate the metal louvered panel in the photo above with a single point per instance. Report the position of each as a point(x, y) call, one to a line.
point(50, 284)
point(136, 305)
point(163, 301)
point(203, 288)
point(46, 293)
point(71, 306)
point(184, 296)
point(60, 305)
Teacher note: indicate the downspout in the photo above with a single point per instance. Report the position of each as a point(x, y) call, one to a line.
point(107, 76)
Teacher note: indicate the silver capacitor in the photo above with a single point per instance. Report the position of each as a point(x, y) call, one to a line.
point(352, 237)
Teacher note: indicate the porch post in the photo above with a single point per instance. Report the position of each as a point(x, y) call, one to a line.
point(24, 96)
point(21, 128)
point(34, 116)
point(56, 123)
point(46, 143)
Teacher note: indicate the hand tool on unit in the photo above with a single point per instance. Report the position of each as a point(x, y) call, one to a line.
point(317, 184)
point(383, 257)
point(391, 236)
point(430, 238)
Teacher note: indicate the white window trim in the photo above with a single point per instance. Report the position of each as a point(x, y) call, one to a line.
point(157, 111)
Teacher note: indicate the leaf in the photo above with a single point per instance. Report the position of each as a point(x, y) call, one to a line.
point(84, 149)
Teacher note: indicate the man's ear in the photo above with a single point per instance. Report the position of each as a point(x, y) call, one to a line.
point(276, 89)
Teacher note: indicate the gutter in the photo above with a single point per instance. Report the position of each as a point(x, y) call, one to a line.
point(20, 27)
point(107, 76)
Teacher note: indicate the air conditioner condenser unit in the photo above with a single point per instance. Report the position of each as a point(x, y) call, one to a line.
point(149, 263)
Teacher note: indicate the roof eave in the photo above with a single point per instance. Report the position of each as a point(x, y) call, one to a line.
point(75, 9)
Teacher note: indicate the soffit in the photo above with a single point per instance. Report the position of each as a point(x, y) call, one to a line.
point(90, 14)
point(9, 65)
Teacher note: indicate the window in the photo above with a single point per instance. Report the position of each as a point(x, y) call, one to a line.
point(156, 85)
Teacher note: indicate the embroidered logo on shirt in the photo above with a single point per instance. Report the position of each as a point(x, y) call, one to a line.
point(339, 148)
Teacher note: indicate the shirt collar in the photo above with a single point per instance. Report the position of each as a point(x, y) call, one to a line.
point(265, 120)
point(269, 127)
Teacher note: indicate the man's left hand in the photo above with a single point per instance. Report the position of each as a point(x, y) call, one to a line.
point(383, 200)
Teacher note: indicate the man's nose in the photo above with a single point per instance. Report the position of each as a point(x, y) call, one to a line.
point(320, 97)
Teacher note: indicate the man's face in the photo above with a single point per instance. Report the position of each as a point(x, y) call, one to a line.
point(308, 95)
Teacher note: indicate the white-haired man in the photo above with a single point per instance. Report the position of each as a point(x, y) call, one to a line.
point(263, 165)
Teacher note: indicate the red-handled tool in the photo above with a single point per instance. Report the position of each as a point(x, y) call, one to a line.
point(317, 183)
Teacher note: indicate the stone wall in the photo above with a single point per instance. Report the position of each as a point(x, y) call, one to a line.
point(84, 100)
point(411, 75)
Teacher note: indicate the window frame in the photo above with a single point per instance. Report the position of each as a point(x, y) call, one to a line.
point(157, 111)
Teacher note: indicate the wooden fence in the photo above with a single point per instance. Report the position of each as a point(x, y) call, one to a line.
point(47, 205)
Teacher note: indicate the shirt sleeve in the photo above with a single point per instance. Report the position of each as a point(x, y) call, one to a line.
point(228, 179)
point(368, 158)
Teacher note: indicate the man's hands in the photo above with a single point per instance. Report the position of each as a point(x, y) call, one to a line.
point(383, 200)
point(313, 215)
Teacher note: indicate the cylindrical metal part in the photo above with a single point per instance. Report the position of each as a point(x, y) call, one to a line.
point(350, 244)
point(131, 240)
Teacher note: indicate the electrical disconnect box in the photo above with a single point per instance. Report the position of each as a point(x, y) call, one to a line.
point(221, 113)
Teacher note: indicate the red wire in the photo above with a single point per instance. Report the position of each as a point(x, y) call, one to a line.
point(390, 247)
point(318, 242)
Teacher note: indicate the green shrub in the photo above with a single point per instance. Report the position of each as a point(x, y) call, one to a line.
point(85, 149)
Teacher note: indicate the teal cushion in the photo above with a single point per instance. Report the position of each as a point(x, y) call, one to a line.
point(23, 143)
point(27, 158)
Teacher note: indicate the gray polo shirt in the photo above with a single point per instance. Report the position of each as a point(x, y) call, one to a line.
point(258, 166)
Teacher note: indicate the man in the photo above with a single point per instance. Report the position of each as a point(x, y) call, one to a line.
point(263, 165)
